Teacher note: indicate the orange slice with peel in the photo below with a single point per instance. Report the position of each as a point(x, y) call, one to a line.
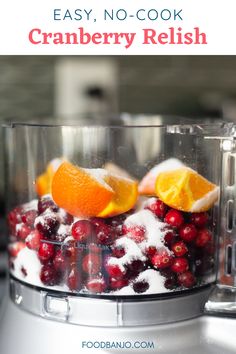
point(81, 192)
point(44, 181)
point(147, 184)
point(184, 189)
point(125, 197)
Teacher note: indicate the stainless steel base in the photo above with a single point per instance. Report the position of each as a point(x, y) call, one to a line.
point(24, 333)
point(101, 312)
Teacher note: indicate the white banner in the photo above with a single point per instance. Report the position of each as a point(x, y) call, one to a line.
point(112, 27)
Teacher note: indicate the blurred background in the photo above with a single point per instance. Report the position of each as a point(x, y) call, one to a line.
point(39, 86)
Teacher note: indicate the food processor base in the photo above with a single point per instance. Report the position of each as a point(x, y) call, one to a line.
point(24, 333)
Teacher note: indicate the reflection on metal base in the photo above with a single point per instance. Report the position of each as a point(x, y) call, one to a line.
point(101, 312)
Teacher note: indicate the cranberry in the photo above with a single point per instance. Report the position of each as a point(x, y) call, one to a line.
point(140, 286)
point(158, 208)
point(14, 218)
point(47, 224)
point(82, 230)
point(24, 271)
point(135, 232)
point(114, 270)
point(162, 260)
point(49, 276)
point(96, 285)
point(46, 203)
point(67, 219)
point(33, 240)
point(93, 247)
point(118, 283)
point(69, 248)
point(29, 217)
point(179, 249)
point(105, 234)
point(151, 250)
point(59, 261)
point(135, 267)
point(186, 279)
point(188, 232)
point(203, 237)
point(91, 263)
point(15, 248)
point(45, 252)
point(116, 221)
point(118, 252)
point(174, 218)
point(171, 281)
point(199, 219)
point(74, 279)
point(169, 238)
point(23, 231)
point(180, 265)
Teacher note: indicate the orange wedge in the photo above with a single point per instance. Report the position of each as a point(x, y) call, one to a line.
point(147, 184)
point(44, 181)
point(125, 197)
point(184, 189)
point(81, 192)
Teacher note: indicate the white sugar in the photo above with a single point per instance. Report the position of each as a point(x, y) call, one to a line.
point(32, 205)
point(155, 229)
point(99, 174)
point(167, 165)
point(28, 260)
point(152, 277)
point(63, 230)
point(132, 252)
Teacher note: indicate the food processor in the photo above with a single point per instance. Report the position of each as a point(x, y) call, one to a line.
point(121, 238)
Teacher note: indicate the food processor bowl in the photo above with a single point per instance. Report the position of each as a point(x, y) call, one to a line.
point(114, 225)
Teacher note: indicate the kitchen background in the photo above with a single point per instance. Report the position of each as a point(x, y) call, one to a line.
point(37, 86)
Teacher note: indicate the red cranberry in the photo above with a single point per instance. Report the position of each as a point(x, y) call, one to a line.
point(158, 208)
point(116, 221)
point(118, 252)
point(67, 219)
point(135, 232)
point(203, 237)
point(91, 263)
point(162, 260)
point(180, 265)
point(135, 267)
point(174, 218)
point(118, 283)
point(45, 252)
point(179, 249)
point(15, 248)
point(105, 234)
point(140, 286)
point(93, 247)
point(59, 261)
point(186, 279)
point(74, 279)
point(46, 203)
point(170, 282)
point(96, 285)
point(29, 217)
point(47, 224)
point(70, 249)
point(33, 240)
point(188, 232)
point(114, 270)
point(49, 276)
point(24, 271)
point(14, 216)
point(82, 230)
point(169, 238)
point(23, 231)
point(151, 250)
point(199, 219)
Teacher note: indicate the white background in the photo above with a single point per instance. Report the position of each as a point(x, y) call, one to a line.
point(18, 17)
